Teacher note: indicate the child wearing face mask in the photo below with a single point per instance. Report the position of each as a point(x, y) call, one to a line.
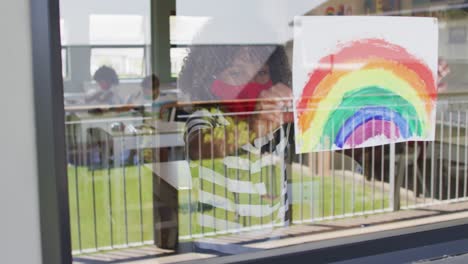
point(238, 129)
point(243, 93)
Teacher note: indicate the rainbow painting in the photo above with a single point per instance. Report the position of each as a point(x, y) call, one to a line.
point(368, 91)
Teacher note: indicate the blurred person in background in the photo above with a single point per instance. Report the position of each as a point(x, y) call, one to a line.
point(106, 79)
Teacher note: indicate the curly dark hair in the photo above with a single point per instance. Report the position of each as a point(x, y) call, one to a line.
point(204, 62)
point(106, 73)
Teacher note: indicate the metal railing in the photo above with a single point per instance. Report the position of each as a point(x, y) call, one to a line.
point(107, 189)
point(111, 182)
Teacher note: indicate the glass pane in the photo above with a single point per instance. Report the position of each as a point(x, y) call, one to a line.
point(191, 153)
point(127, 62)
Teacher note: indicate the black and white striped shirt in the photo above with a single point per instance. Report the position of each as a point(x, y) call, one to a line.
point(244, 189)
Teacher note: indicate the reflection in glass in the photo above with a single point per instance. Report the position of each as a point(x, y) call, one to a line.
point(198, 155)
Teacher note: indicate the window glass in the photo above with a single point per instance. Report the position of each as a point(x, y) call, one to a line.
point(127, 62)
point(191, 151)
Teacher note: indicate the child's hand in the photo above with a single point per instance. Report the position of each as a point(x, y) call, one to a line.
point(275, 103)
point(273, 109)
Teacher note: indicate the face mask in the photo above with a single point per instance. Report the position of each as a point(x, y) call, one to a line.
point(148, 96)
point(250, 90)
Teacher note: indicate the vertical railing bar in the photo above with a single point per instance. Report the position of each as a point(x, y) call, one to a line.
point(189, 206)
point(77, 192)
point(458, 157)
point(415, 173)
point(343, 183)
point(109, 185)
point(363, 156)
point(382, 171)
point(272, 173)
point(226, 226)
point(236, 146)
point(213, 187)
point(433, 161)
point(449, 174)
point(302, 186)
point(332, 165)
point(393, 179)
point(140, 187)
point(353, 172)
point(466, 155)
point(312, 193)
point(285, 154)
point(200, 180)
point(250, 173)
point(76, 152)
point(72, 152)
point(424, 155)
point(85, 153)
point(343, 179)
point(124, 188)
point(394, 193)
point(407, 166)
point(69, 151)
point(373, 167)
point(363, 171)
point(322, 182)
point(406, 170)
point(441, 162)
point(261, 174)
point(94, 195)
point(415, 169)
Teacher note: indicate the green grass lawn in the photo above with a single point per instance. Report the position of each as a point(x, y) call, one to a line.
point(110, 197)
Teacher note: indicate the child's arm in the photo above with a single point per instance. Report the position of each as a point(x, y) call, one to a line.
point(216, 134)
point(272, 109)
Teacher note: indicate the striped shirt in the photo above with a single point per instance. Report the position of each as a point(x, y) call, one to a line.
point(244, 189)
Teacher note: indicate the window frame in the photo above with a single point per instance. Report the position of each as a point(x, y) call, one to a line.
point(358, 246)
point(49, 115)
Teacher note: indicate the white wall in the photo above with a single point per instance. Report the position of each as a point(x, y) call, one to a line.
point(19, 221)
point(246, 21)
point(75, 16)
